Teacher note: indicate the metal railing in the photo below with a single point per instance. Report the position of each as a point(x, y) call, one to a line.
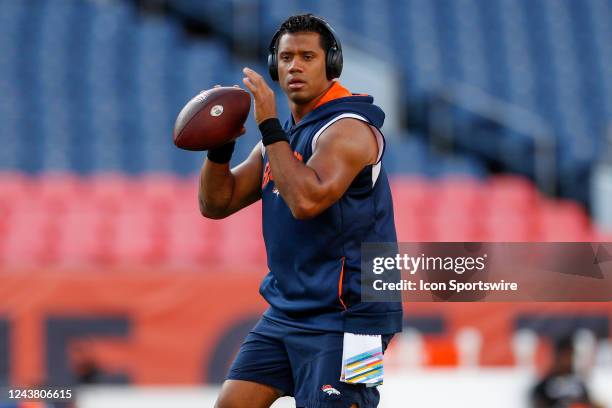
point(513, 117)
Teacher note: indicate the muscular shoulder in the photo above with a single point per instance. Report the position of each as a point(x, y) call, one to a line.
point(353, 138)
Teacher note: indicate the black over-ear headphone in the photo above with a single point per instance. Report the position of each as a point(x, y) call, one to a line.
point(333, 62)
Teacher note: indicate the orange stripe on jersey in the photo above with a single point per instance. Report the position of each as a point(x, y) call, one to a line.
point(340, 285)
point(334, 92)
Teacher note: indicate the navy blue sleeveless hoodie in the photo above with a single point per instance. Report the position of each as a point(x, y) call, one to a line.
point(314, 278)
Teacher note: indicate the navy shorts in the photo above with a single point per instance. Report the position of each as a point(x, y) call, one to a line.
point(305, 364)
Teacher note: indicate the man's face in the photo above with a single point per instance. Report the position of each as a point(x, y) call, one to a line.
point(301, 66)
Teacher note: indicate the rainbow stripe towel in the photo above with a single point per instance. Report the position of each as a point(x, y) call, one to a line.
point(362, 359)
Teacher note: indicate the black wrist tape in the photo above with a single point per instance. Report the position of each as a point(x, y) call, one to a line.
point(272, 132)
point(222, 154)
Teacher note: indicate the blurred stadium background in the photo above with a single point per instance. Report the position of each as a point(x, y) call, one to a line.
point(499, 128)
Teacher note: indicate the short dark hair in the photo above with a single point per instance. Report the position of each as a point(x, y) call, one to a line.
point(306, 23)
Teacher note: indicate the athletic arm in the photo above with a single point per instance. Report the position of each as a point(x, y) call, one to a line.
point(223, 191)
point(341, 152)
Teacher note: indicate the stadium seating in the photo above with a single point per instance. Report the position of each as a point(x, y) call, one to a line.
point(88, 108)
point(549, 57)
point(99, 84)
point(154, 220)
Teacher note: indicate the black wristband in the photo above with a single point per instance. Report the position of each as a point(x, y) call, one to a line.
point(222, 154)
point(272, 132)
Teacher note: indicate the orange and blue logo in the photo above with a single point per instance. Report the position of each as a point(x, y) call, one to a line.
point(267, 174)
point(329, 390)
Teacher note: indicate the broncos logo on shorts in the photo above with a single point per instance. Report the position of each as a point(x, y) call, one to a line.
point(329, 390)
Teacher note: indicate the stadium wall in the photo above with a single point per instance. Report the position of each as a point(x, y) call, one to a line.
point(154, 326)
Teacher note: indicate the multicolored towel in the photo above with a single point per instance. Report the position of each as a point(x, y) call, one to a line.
point(362, 359)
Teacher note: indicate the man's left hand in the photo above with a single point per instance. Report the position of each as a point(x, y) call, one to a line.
point(265, 102)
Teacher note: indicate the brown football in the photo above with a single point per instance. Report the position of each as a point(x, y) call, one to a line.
point(212, 118)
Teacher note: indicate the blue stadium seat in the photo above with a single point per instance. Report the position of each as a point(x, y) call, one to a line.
point(95, 86)
point(409, 154)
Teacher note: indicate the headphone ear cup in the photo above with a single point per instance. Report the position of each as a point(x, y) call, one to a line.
point(334, 62)
point(272, 66)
